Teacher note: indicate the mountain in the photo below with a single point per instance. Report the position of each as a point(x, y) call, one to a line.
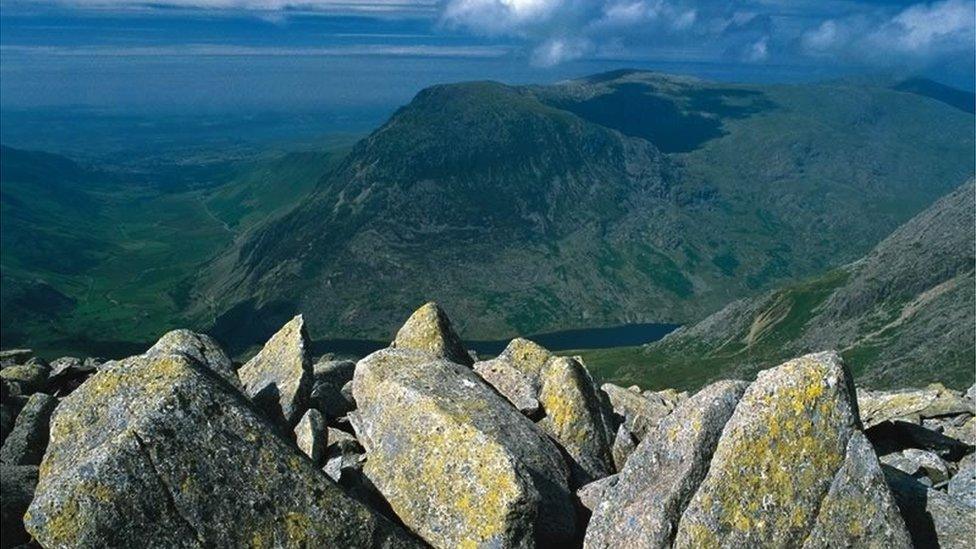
point(901, 315)
point(617, 198)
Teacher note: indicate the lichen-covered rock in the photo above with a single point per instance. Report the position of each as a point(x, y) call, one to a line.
point(342, 454)
point(911, 405)
point(311, 435)
point(527, 357)
point(662, 474)
point(859, 510)
point(964, 432)
point(639, 413)
point(17, 483)
point(27, 441)
point(595, 492)
point(429, 330)
point(925, 466)
point(157, 451)
point(962, 486)
point(29, 378)
point(511, 382)
point(328, 397)
point(279, 378)
point(201, 348)
point(934, 518)
point(575, 418)
point(776, 459)
point(458, 464)
point(624, 444)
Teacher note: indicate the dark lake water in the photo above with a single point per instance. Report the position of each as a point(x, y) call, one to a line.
point(585, 338)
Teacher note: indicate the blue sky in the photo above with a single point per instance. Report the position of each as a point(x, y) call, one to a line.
point(216, 55)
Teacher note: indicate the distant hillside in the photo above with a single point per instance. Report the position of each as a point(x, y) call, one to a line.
point(902, 315)
point(618, 198)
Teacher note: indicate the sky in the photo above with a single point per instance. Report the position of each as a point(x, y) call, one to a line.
point(240, 55)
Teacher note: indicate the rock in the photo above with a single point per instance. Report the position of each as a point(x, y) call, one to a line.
point(458, 464)
point(429, 330)
point(575, 418)
point(67, 373)
point(776, 459)
point(200, 347)
point(11, 357)
point(27, 441)
point(11, 402)
point(894, 436)
point(595, 492)
point(342, 454)
point(910, 405)
point(971, 392)
point(30, 378)
point(17, 483)
point(934, 519)
point(527, 357)
point(925, 466)
point(311, 435)
point(158, 451)
point(511, 382)
point(965, 433)
point(639, 413)
point(336, 372)
point(962, 486)
point(279, 378)
point(623, 445)
point(662, 474)
point(328, 397)
point(60, 366)
point(859, 510)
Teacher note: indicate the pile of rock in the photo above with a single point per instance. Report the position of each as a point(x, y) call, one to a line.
point(421, 444)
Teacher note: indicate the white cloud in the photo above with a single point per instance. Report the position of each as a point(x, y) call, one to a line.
point(402, 7)
point(227, 50)
point(559, 50)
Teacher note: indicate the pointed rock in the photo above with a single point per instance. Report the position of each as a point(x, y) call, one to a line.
point(776, 459)
point(527, 357)
point(311, 435)
point(859, 510)
point(200, 347)
point(429, 330)
point(279, 378)
point(458, 464)
point(27, 441)
point(155, 451)
point(662, 474)
point(511, 382)
point(575, 418)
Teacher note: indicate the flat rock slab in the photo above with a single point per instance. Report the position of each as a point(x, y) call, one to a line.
point(160, 452)
point(457, 462)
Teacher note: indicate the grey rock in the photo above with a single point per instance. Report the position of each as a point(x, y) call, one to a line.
point(927, 467)
point(11, 402)
point(29, 378)
point(663, 473)
point(279, 378)
point(964, 432)
point(859, 510)
point(962, 485)
point(895, 436)
point(623, 445)
point(27, 441)
point(342, 455)
point(457, 463)
point(639, 413)
point(911, 405)
point(776, 458)
point(328, 396)
point(17, 484)
point(575, 418)
point(200, 347)
point(158, 451)
point(511, 382)
point(334, 372)
point(934, 519)
point(429, 330)
point(311, 435)
point(971, 392)
point(11, 357)
point(595, 492)
point(527, 357)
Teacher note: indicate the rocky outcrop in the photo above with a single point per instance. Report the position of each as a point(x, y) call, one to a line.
point(652, 490)
point(429, 330)
point(279, 378)
point(456, 461)
point(27, 441)
point(157, 451)
point(201, 348)
point(576, 419)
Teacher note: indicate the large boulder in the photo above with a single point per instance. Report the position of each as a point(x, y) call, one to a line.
point(575, 418)
point(458, 464)
point(279, 378)
point(17, 483)
point(934, 518)
point(777, 459)
point(201, 348)
point(429, 330)
point(27, 441)
point(512, 383)
point(662, 474)
point(527, 357)
point(157, 451)
point(639, 413)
